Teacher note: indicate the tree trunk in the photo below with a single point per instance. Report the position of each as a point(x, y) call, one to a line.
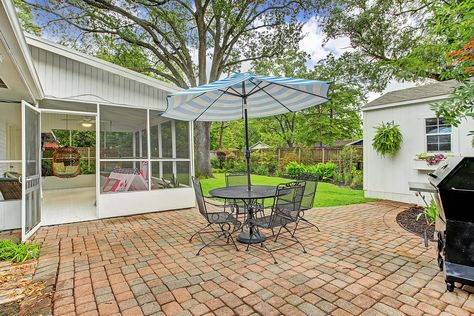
point(221, 134)
point(202, 143)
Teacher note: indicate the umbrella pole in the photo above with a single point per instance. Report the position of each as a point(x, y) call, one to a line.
point(247, 149)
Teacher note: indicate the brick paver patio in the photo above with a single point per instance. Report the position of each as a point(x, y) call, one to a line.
point(361, 262)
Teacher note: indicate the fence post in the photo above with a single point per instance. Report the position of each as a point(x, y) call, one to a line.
point(323, 154)
point(299, 154)
point(279, 156)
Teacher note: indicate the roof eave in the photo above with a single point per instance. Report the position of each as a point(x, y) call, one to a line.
point(22, 59)
point(404, 103)
point(99, 63)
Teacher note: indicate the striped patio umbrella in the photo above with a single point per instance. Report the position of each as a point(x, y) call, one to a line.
point(243, 96)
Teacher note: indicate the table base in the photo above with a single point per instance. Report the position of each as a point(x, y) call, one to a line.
point(244, 237)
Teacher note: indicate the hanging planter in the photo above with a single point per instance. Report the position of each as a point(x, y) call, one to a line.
point(388, 139)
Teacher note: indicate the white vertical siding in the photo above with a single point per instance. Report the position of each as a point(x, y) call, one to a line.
point(388, 178)
point(65, 78)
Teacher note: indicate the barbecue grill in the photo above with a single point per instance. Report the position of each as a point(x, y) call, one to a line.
point(454, 181)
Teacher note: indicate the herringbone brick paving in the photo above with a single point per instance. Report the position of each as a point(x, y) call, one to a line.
point(361, 263)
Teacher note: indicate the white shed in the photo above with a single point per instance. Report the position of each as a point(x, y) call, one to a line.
point(136, 161)
point(423, 132)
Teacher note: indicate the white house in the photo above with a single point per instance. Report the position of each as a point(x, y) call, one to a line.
point(388, 178)
point(143, 161)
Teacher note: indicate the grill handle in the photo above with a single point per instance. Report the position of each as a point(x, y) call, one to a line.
point(462, 190)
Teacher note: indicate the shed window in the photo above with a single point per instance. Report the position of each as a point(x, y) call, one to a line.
point(438, 135)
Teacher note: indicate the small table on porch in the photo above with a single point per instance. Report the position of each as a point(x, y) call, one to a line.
point(250, 199)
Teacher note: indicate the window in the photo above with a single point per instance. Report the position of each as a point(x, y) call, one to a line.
point(126, 163)
point(438, 135)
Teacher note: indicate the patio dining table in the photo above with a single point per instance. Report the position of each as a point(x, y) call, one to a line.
point(249, 198)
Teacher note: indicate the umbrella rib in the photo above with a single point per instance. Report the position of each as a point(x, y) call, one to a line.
point(271, 96)
point(230, 93)
point(258, 90)
point(217, 99)
point(302, 91)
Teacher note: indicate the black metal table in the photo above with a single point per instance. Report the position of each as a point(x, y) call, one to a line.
point(249, 198)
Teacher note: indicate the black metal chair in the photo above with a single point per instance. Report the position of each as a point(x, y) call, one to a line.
point(307, 202)
point(286, 210)
point(226, 221)
point(234, 180)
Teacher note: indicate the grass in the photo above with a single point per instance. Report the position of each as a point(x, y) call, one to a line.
point(10, 251)
point(327, 194)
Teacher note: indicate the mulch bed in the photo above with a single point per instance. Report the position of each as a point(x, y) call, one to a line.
point(407, 220)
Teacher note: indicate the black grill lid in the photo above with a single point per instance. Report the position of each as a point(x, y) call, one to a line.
point(454, 173)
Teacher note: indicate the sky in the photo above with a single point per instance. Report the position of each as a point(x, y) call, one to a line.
point(313, 44)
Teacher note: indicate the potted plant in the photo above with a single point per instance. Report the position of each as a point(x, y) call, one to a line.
point(388, 139)
point(431, 160)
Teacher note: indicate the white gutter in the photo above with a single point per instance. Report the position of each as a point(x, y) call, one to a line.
point(99, 63)
point(408, 102)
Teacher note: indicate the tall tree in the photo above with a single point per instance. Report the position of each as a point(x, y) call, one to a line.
point(187, 42)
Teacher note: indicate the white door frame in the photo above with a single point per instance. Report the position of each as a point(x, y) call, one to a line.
point(96, 120)
point(24, 106)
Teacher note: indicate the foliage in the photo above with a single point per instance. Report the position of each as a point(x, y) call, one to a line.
point(26, 18)
point(357, 178)
point(85, 169)
point(327, 194)
point(215, 163)
point(388, 139)
point(75, 138)
point(324, 171)
point(431, 160)
point(348, 158)
point(263, 162)
point(10, 251)
point(430, 213)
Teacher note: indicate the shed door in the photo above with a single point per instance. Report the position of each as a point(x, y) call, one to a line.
point(31, 170)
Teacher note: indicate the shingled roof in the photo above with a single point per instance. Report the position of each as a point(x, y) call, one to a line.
point(415, 93)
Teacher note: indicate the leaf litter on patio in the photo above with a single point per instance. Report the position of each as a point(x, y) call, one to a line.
point(17, 286)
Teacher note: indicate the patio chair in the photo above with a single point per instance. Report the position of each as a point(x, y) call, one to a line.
point(307, 202)
point(234, 180)
point(226, 221)
point(285, 211)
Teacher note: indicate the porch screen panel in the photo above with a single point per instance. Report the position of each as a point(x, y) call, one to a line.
point(123, 149)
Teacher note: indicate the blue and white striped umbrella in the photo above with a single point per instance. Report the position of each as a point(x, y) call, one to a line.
point(261, 96)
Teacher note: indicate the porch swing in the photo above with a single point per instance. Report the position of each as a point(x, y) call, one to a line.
point(66, 160)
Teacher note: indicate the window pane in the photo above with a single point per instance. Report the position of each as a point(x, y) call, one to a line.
point(118, 127)
point(154, 144)
point(445, 147)
point(123, 176)
point(431, 122)
point(166, 140)
point(431, 130)
point(442, 121)
point(10, 132)
point(432, 147)
point(445, 129)
point(432, 139)
point(182, 139)
point(162, 175)
point(445, 138)
point(182, 170)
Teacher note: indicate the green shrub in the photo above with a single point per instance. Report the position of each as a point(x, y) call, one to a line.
point(10, 251)
point(261, 170)
point(215, 163)
point(357, 178)
point(388, 139)
point(294, 169)
point(430, 212)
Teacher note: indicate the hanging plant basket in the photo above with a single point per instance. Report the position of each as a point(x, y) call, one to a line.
point(388, 139)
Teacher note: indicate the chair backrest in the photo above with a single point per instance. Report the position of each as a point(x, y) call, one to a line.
point(288, 200)
point(309, 193)
point(201, 204)
point(236, 179)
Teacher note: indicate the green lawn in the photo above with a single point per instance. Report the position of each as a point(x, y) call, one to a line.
point(327, 194)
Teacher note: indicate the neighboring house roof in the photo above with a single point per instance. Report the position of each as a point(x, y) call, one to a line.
point(99, 63)
point(358, 142)
point(411, 95)
point(259, 145)
point(339, 143)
